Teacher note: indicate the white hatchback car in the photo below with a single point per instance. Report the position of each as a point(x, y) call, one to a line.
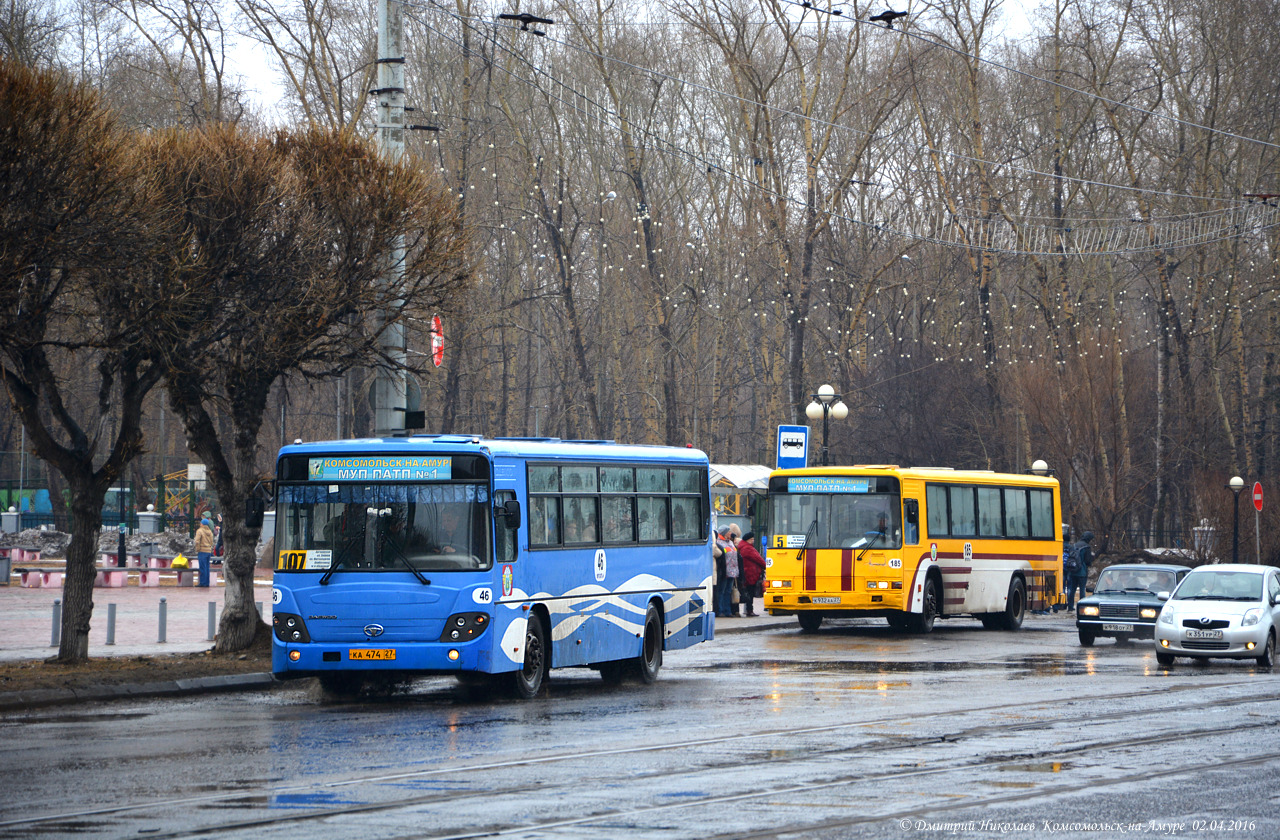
point(1228, 610)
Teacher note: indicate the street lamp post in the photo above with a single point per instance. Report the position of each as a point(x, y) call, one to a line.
point(1235, 485)
point(826, 403)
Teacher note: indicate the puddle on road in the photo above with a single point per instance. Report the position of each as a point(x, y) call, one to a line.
point(1036, 767)
point(1022, 667)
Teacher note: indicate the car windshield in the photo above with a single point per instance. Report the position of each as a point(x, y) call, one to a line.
point(1134, 580)
point(1210, 585)
point(428, 527)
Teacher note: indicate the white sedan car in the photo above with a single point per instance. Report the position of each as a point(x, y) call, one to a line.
point(1228, 610)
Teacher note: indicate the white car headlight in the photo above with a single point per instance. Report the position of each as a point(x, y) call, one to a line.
point(1166, 617)
point(1251, 617)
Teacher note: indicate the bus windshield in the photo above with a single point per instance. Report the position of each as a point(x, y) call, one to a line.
point(838, 520)
point(428, 527)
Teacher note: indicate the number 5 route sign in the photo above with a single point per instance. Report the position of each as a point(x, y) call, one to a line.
point(1257, 495)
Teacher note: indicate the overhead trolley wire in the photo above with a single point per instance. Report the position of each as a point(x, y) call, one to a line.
point(1093, 237)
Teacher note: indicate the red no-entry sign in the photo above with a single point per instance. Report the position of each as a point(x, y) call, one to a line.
point(1257, 495)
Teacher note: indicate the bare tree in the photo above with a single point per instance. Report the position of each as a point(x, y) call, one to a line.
point(30, 32)
point(288, 238)
point(79, 237)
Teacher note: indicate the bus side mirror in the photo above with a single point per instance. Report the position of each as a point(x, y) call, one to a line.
point(253, 511)
point(912, 508)
point(510, 512)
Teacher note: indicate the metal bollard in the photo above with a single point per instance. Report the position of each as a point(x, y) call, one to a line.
point(57, 622)
point(111, 624)
point(213, 620)
point(164, 618)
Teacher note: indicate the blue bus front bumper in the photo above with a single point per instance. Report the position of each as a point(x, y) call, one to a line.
point(424, 658)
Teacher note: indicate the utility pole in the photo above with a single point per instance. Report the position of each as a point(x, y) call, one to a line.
point(390, 387)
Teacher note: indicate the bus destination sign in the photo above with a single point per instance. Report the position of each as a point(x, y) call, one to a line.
point(380, 468)
point(827, 484)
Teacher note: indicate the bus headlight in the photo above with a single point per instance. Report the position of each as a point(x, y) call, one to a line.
point(290, 628)
point(463, 627)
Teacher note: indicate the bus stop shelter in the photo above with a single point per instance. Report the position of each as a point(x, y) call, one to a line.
point(733, 486)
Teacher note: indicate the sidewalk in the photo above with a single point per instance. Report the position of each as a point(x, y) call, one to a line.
point(26, 618)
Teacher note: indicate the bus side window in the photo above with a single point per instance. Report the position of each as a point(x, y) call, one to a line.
point(911, 508)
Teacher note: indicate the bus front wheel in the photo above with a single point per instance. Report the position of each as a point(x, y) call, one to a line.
point(527, 682)
point(809, 621)
point(922, 622)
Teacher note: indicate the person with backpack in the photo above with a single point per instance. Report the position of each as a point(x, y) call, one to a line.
point(1079, 572)
point(1068, 565)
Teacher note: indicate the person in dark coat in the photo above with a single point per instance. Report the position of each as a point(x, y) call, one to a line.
point(749, 585)
point(1076, 581)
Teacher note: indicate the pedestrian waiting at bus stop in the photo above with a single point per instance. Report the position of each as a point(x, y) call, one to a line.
point(727, 569)
point(751, 581)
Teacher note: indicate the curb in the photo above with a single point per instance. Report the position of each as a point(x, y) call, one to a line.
point(756, 625)
point(18, 701)
point(22, 701)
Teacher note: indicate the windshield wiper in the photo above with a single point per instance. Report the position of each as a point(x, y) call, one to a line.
point(337, 562)
point(879, 535)
point(403, 558)
point(808, 535)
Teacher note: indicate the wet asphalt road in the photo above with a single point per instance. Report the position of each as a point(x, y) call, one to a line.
point(854, 732)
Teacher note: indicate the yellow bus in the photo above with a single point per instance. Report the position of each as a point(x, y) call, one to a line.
point(911, 545)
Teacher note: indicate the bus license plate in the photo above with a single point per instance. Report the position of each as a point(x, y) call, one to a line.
point(1117, 628)
point(357, 653)
point(826, 600)
point(1204, 634)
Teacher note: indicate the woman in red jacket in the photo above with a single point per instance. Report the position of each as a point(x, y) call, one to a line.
point(752, 572)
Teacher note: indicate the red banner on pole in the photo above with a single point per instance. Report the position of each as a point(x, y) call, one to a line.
point(437, 341)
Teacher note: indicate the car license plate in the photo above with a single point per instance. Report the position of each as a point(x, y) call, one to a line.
point(827, 600)
point(1204, 634)
point(364, 653)
point(1117, 628)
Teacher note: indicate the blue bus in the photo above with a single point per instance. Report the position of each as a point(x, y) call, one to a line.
point(458, 554)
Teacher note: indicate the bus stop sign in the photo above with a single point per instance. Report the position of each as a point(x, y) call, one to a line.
point(1257, 495)
point(793, 447)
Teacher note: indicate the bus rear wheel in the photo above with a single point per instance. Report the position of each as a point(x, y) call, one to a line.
point(809, 621)
point(527, 682)
point(1015, 608)
point(647, 665)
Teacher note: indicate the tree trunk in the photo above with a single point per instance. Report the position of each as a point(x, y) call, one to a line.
point(240, 622)
point(77, 590)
